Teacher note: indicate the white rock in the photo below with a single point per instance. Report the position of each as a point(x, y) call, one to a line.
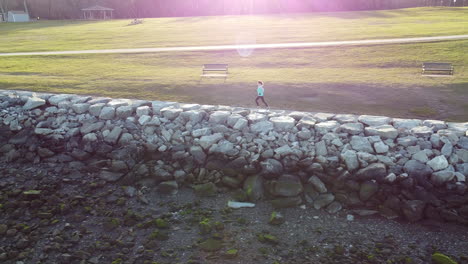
point(321, 148)
point(306, 121)
point(91, 137)
point(345, 118)
point(371, 120)
point(95, 109)
point(33, 102)
point(262, 127)
point(232, 119)
point(207, 141)
point(124, 111)
point(438, 163)
point(422, 131)
point(284, 150)
point(107, 113)
point(144, 119)
point(321, 117)
point(219, 117)
point(380, 147)
point(390, 177)
point(114, 135)
point(201, 132)
point(406, 123)
point(256, 117)
point(143, 110)
point(240, 124)
point(384, 131)
point(80, 108)
point(327, 126)
point(352, 128)
point(436, 124)
point(350, 159)
point(56, 99)
point(361, 144)
point(171, 112)
point(283, 123)
point(421, 156)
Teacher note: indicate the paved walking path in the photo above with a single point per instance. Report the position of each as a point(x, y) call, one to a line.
point(249, 46)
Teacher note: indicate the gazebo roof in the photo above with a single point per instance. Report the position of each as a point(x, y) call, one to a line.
point(97, 8)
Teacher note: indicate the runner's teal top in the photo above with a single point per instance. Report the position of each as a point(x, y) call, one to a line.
point(260, 90)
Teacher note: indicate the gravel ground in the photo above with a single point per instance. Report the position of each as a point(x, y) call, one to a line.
point(77, 218)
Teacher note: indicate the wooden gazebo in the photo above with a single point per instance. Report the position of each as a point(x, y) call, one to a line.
point(97, 12)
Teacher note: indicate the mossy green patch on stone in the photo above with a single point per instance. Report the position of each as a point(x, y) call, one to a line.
point(161, 223)
point(205, 189)
point(231, 253)
point(205, 226)
point(158, 235)
point(440, 258)
point(268, 238)
point(211, 245)
point(276, 218)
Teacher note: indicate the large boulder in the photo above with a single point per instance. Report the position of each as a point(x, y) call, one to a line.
point(406, 123)
point(361, 144)
point(287, 186)
point(417, 169)
point(317, 184)
point(413, 210)
point(219, 117)
point(271, 168)
point(107, 113)
point(170, 112)
point(438, 163)
point(352, 128)
point(207, 141)
point(376, 171)
point(262, 127)
point(374, 120)
point(422, 131)
point(80, 108)
point(33, 102)
point(253, 186)
point(323, 200)
point(441, 177)
point(283, 123)
point(327, 126)
point(351, 160)
point(384, 131)
point(367, 190)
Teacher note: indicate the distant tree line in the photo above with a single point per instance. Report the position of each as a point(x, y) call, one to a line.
point(71, 9)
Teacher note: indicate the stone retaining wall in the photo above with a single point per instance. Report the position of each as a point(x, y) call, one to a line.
point(408, 168)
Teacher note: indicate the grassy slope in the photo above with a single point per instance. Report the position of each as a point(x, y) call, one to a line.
point(381, 80)
point(78, 35)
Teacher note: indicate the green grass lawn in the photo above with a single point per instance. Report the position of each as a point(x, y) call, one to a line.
point(193, 31)
point(377, 80)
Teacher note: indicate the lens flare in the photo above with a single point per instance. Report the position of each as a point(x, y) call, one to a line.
point(245, 38)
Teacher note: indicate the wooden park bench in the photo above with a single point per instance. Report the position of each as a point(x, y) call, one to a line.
point(437, 67)
point(215, 70)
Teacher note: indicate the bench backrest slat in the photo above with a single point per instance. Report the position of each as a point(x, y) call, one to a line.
point(215, 66)
point(436, 65)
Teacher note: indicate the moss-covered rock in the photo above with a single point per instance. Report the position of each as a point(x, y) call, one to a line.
point(211, 245)
point(205, 226)
point(205, 189)
point(231, 253)
point(440, 258)
point(276, 218)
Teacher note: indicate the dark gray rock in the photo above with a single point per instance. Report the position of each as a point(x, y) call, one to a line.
point(376, 171)
point(367, 190)
point(413, 210)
